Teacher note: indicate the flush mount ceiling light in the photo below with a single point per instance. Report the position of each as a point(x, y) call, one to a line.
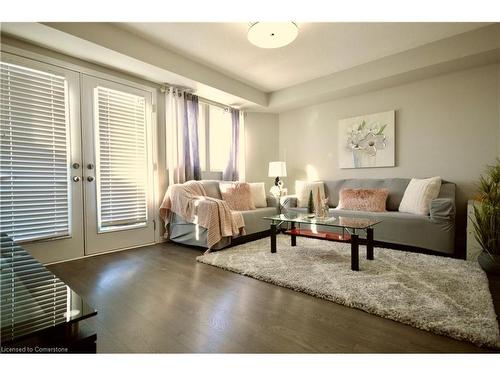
point(272, 34)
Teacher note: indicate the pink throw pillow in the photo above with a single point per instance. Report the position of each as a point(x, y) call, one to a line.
point(237, 195)
point(372, 200)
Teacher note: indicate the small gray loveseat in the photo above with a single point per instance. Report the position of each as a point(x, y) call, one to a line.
point(186, 233)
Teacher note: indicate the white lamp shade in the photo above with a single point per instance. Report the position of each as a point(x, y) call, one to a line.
point(277, 169)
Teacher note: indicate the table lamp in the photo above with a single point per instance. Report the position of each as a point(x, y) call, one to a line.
point(277, 169)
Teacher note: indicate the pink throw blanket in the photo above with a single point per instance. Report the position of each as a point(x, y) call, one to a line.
point(190, 201)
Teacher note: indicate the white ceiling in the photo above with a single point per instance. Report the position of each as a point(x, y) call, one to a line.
point(319, 50)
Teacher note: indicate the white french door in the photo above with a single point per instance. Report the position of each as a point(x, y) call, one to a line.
point(40, 158)
point(76, 161)
point(117, 175)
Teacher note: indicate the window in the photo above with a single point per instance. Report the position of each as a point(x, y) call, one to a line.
point(121, 159)
point(34, 154)
point(214, 137)
point(219, 137)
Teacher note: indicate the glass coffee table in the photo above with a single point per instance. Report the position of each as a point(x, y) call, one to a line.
point(349, 231)
point(39, 312)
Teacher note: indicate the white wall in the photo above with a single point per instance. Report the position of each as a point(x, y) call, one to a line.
point(446, 126)
point(261, 135)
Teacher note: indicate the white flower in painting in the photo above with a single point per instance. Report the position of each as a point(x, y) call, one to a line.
point(372, 142)
point(355, 135)
point(369, 139)
point(353, 142)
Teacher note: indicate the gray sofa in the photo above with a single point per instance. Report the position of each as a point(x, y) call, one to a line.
point(435, 232)
point(185, 233)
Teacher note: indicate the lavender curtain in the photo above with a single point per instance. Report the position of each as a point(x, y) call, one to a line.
point(231, 173)
point(192, 170)
point(181, 136)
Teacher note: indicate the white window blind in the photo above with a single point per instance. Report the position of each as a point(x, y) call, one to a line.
point(121, 159)
point(34, 154)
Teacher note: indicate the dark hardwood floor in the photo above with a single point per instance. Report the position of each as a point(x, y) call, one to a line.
point(159, 299)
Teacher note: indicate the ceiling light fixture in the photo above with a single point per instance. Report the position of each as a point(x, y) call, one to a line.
point(272, 34)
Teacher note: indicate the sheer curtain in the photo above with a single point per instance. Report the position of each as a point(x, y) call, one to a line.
point(235, 169)
point(183, 159)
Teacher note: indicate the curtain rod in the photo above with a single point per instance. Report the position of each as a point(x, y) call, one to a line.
point(200, 98)
point(216, 104)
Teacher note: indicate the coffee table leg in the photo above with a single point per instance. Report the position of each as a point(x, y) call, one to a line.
point(354, 252)
point(369, 244)
point(293, 236)
point(273, 238)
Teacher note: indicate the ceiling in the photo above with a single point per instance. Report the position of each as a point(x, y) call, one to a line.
point(319, 50)
point(326, 62)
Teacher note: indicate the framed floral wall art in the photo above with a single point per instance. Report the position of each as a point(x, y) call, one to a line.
point(367, 141)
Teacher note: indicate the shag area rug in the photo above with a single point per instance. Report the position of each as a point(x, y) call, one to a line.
point(446, 296)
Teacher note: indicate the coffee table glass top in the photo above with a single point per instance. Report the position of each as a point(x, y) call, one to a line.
point(331, 221)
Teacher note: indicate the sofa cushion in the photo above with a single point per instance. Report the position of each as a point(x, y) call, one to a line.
point(254, 221)
point(419, 194)
point(403, 229)
point(395, 186)
point(372, 215)
point(212, 188)
point(237, 196)
point(258, 192)
point(303, 188)
point(372, 200)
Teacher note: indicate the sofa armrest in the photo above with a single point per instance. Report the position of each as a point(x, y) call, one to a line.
point(288, 201)
point(272, 201)
point(442, 209)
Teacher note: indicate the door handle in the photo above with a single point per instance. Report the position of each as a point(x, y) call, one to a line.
point(90, 178)
point(76, 178)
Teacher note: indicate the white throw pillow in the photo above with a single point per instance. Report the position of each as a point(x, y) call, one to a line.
point(302, 189)
point(418, 195)
point(258, 191)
